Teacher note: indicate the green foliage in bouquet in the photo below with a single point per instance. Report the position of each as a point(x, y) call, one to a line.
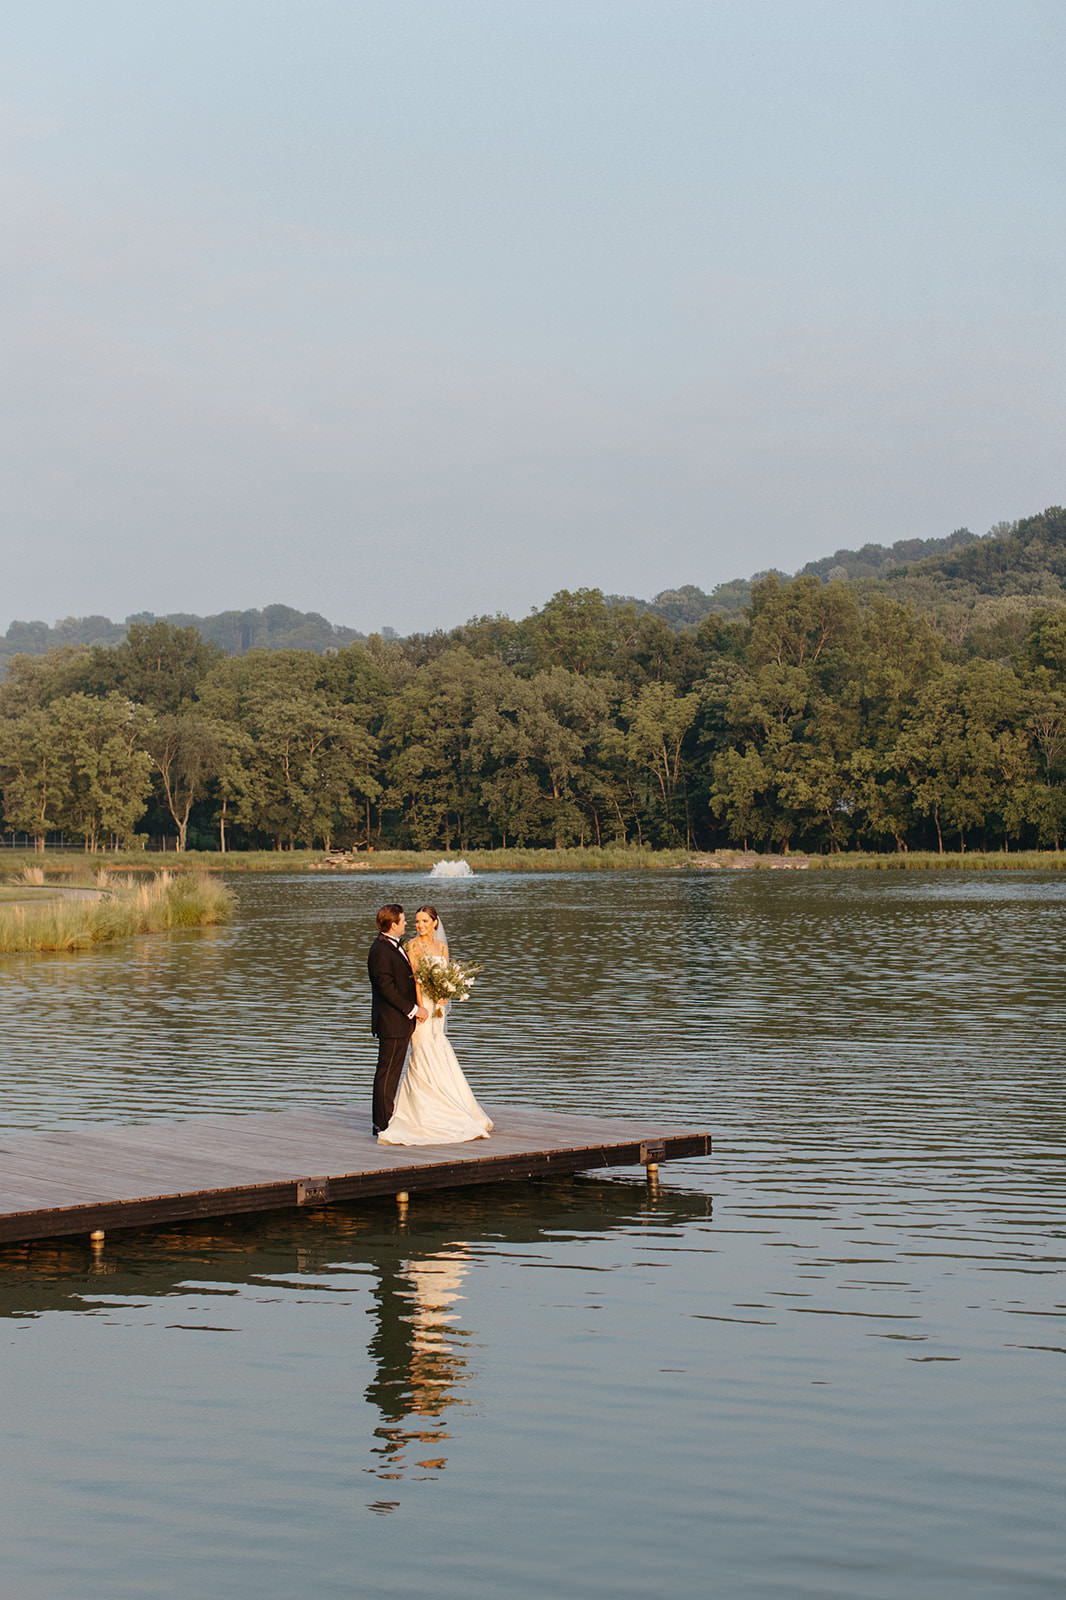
point(452, 981)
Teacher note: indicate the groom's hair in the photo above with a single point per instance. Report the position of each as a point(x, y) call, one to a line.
point(388, 917)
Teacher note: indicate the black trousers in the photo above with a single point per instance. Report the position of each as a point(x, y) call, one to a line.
point(392, 1053)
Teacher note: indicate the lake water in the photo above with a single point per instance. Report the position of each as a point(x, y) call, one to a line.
point(827, 1361)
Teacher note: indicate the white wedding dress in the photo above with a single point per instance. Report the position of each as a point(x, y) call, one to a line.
point(434, 1103)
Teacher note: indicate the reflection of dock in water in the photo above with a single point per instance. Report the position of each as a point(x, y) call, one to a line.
point(102, 1178)
point(411, 1272)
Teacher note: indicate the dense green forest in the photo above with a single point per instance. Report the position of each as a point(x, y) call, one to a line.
point(903, 698)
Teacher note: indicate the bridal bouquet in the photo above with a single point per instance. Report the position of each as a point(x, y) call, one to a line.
point(444, 981)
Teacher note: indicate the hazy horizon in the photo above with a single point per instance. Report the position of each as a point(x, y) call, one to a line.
point(338, 622)
point(413, 313)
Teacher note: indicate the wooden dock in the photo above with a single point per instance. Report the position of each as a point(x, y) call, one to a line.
point(97, 1178)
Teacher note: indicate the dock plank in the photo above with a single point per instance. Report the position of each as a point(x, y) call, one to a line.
point(80, 1179)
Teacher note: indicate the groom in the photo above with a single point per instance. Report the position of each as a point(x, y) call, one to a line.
point(394, 1010)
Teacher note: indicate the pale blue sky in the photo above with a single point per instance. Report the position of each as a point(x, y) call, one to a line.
point(409, 311)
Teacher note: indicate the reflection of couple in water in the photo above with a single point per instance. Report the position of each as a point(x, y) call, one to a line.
point(433, 1103)
point(419, 1357)
point(419, 1346)
point(417, 1280)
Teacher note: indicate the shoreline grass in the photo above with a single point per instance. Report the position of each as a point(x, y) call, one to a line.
point(120, 908)
point(77, 869)
point(619, 858)
point(79, 866)
point(948, 861)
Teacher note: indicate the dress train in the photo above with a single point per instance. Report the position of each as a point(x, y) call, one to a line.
point(434, 1104)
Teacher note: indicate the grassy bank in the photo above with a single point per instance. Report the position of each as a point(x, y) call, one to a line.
point(36, 915)
point(612, 859)
point(591, 858)
point(74, 865)
point(949, 861)
point(76, 868)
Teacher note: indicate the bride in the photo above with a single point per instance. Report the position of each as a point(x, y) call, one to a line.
point(434, 1104)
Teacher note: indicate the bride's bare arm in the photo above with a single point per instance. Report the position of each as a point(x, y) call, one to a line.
point(414, 955)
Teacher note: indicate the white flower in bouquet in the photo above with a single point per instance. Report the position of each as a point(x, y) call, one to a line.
point(445, 981)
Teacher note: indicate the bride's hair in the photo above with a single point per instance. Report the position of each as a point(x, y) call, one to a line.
point(431, 911)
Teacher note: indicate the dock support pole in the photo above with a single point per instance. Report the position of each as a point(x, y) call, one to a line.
point(652, 1152)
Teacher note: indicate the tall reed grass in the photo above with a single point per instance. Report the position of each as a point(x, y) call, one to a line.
point(122, 908)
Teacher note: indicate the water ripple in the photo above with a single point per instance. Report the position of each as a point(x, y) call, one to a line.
point(837, 1344)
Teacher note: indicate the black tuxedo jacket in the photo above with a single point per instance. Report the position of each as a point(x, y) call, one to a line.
point(392, 986)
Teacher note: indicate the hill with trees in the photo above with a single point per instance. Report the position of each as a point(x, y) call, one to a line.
point(273, 628)
point(946, 578)
point(920, 705)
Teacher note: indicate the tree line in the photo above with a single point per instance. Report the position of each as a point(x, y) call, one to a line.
point(1014, 566)
point(822, 718)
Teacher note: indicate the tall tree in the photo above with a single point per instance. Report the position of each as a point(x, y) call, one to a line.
point(105, 776)
point(157, 664)
point(578, 631)
point(31, 772)
point(189, 750)
point(655, 723)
